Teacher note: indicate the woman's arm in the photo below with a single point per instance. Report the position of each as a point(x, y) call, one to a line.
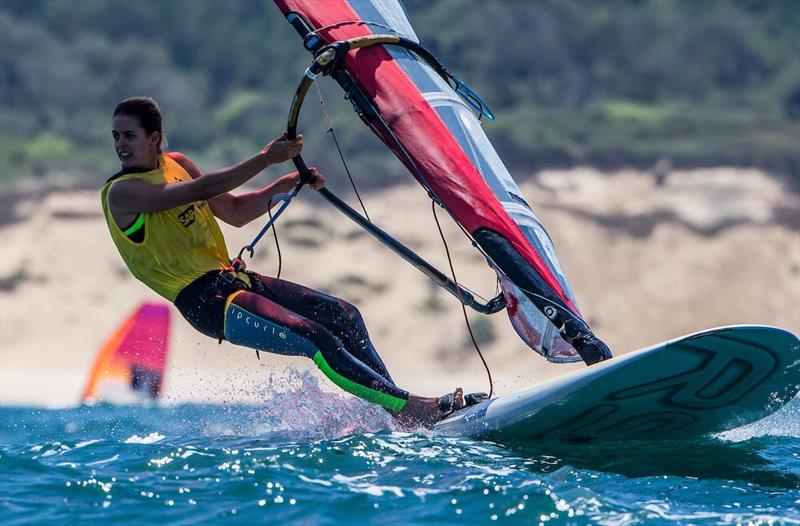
point(133, 196)
point(238, 210)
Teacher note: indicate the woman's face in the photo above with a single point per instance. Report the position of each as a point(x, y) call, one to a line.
point(134, 147)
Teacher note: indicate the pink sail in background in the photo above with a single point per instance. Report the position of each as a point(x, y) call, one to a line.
point(130, 365)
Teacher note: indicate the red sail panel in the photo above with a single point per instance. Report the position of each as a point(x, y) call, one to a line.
point(436, 154)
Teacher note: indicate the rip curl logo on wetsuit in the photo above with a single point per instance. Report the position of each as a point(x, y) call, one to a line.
point(187, 217)
point(259, 323)
point(242, 327)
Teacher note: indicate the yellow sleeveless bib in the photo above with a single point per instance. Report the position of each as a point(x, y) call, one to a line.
point(180, 244)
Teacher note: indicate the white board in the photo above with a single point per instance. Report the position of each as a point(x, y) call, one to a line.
point(707, 382)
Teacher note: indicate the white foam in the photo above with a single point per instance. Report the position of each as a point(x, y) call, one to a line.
point(152, 438)
point(296, 401)
point(785, 422)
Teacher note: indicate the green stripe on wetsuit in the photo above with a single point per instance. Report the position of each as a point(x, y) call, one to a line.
point(243, 327)
point(139, 223)
point(370, 395)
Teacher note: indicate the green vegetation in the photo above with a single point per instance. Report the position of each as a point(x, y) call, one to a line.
point(433, 301)
point(610, 83)
point(483, 330)
point(11, 281)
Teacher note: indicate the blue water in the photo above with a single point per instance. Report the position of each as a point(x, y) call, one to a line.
point(288, 462)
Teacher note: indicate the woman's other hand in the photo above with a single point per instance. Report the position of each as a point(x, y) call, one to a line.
point(318, 180)
point(282, 149)
point(289, 182)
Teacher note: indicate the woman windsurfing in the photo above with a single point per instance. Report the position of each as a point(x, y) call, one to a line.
point(161, 212)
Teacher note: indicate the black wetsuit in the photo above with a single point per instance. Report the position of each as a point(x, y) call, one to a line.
point(279, 316)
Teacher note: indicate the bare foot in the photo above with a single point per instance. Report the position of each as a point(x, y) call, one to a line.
point(426, 411)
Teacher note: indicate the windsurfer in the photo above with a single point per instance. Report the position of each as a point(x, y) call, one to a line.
point(161, 212)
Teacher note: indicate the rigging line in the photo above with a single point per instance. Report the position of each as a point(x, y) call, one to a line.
point(341, 155)
point(355, 189)
point(463, 307)
point(401, 151)
point(473, 242)
point(353, 22)
point(477, 295)
point(277, 245)
point(489, 260)
point(418, 174)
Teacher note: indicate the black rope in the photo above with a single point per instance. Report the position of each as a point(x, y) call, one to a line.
point(278, 248)
point(277, 244)
point(463, 307)
point(346, 169)
point(341, 155)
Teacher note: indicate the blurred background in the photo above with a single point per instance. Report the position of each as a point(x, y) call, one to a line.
point(658, 141)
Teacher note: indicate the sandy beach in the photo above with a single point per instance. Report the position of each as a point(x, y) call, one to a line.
point(647, 261)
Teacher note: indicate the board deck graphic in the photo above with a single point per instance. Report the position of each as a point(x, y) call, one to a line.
point(707, 382)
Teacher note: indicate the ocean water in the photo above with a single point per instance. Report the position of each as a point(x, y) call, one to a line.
point(312, 457)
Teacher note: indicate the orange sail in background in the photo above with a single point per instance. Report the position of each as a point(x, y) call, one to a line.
point(130, 365)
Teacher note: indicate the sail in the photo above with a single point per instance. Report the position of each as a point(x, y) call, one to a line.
point(438, 136)
point(129, 367)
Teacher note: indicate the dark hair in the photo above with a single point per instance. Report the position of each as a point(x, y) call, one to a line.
point(147, 111)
